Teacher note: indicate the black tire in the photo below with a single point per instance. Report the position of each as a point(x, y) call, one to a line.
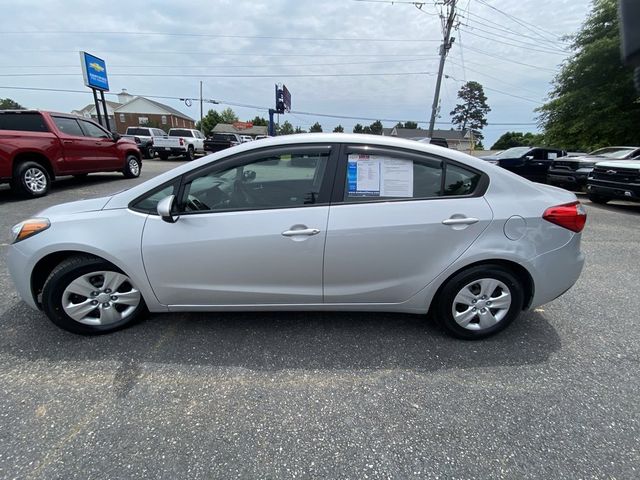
point(163, 156)
point(30, 179)
point(150, 153)
point(62, 276)
point(190, 153)
point(444, 304)
point(132, 167)
point(598, 198)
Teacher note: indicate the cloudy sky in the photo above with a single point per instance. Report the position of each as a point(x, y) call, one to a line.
point(340, 57)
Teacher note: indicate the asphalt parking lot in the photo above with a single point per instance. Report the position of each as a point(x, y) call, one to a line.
point(324, 395)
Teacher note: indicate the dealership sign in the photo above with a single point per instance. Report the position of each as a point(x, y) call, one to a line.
point(94, 71)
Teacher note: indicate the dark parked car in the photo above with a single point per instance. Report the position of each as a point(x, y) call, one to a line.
point(572, 172)
point(613, 180)
point(528, 162)
point(220, 141)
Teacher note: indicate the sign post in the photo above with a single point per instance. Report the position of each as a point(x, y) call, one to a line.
point(283, 103)
point(94, 73)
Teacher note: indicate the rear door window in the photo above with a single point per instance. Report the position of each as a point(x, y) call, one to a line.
point(68, 126)
point(25, 122)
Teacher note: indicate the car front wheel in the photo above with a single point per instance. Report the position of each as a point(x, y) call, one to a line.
point(479, 302)
point(88, 295)
point(31, 180)
point(132, 167)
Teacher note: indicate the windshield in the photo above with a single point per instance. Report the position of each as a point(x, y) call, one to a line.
point(612, 152)
point(137, 131)
point(515, 152)
point(178, 132)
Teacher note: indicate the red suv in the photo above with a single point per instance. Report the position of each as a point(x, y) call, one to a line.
point(36, 147)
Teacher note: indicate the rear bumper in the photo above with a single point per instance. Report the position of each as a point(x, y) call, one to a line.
point(171, 150)
point(556, 272)
point(622, 191)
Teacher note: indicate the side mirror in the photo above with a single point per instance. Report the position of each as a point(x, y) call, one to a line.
point(165, 209)
point(529, 157)
point(116, 136)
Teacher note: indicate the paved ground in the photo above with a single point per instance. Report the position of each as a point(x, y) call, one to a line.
point(329, 395)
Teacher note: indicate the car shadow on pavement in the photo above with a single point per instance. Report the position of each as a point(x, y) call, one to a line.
point(280, 341)
point(69, 183)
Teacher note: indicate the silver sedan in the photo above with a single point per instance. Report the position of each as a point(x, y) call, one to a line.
point(307, 222)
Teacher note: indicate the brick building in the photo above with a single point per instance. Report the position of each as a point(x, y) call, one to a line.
point(131, 111)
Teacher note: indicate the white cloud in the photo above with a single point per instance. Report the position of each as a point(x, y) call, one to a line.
point(404, 96)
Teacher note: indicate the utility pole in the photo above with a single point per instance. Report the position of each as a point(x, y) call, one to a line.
point(201, 117)
point(444, 49)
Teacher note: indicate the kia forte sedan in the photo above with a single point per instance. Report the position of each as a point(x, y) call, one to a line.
point(307, 222)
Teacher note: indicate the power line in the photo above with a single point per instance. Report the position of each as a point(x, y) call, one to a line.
point(214, 35)
point(232, 66)
point(501, 91)
point(243, 105)
point(536, 29)
point(224, 75)
point(537, 67)
point(527, 46)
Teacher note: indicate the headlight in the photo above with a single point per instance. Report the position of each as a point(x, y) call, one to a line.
point(28, 228)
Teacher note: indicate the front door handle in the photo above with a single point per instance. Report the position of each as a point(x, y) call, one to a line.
point(460, 221)
point(304, 231)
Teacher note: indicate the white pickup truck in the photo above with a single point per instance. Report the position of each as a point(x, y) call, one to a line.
point(180, 141)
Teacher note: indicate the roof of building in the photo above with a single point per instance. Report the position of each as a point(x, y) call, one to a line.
point(422, 133)
point(169, 109)
point(228, 128)
point(114, 106)
point(91, 106)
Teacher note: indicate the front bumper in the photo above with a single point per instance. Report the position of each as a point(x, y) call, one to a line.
point(20, 268)
point(565, 178)
point(621, 191)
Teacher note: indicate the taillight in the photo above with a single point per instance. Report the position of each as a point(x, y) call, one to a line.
point(570, 215)
point(181, 141)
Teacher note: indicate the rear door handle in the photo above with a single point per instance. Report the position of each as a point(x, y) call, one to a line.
point(304, 231)
point(460, 221)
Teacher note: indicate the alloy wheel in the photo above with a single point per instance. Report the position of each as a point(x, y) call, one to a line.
point(35, 180)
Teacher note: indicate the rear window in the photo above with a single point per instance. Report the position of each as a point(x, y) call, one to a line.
point(138, 131)
point(25, 122)
point(221, 137)
point(178, 132)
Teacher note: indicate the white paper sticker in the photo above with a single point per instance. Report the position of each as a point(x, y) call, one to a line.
point(397, 178)
point(379, 176)
point(553, 155)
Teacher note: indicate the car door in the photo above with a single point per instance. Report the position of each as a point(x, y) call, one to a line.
point(79, 151)
point(105, 150)
point(243, 238)
point(397, 220)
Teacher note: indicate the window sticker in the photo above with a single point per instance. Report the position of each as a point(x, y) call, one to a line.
point(553, 155)
point(379, 176)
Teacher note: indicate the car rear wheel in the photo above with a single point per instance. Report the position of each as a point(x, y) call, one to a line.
point(190, 153)
point(150, 153)
point(479, 302)
point(88, 295)
point(132, 167)
point(598, 198)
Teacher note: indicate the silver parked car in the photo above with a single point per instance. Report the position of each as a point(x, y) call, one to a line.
point(307, 222)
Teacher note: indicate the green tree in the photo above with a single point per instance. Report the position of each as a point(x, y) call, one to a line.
point(260, 121)
point(593, 101)
point(518, 139)
point(285, 129)
point(316, 127)
point(358, 128)
point(376, 127)
point(472, 111)
point(8, 104)
point(209, 121)
point(339, 129)
point(228, 116)
point(299, 130)
point(407, 124)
